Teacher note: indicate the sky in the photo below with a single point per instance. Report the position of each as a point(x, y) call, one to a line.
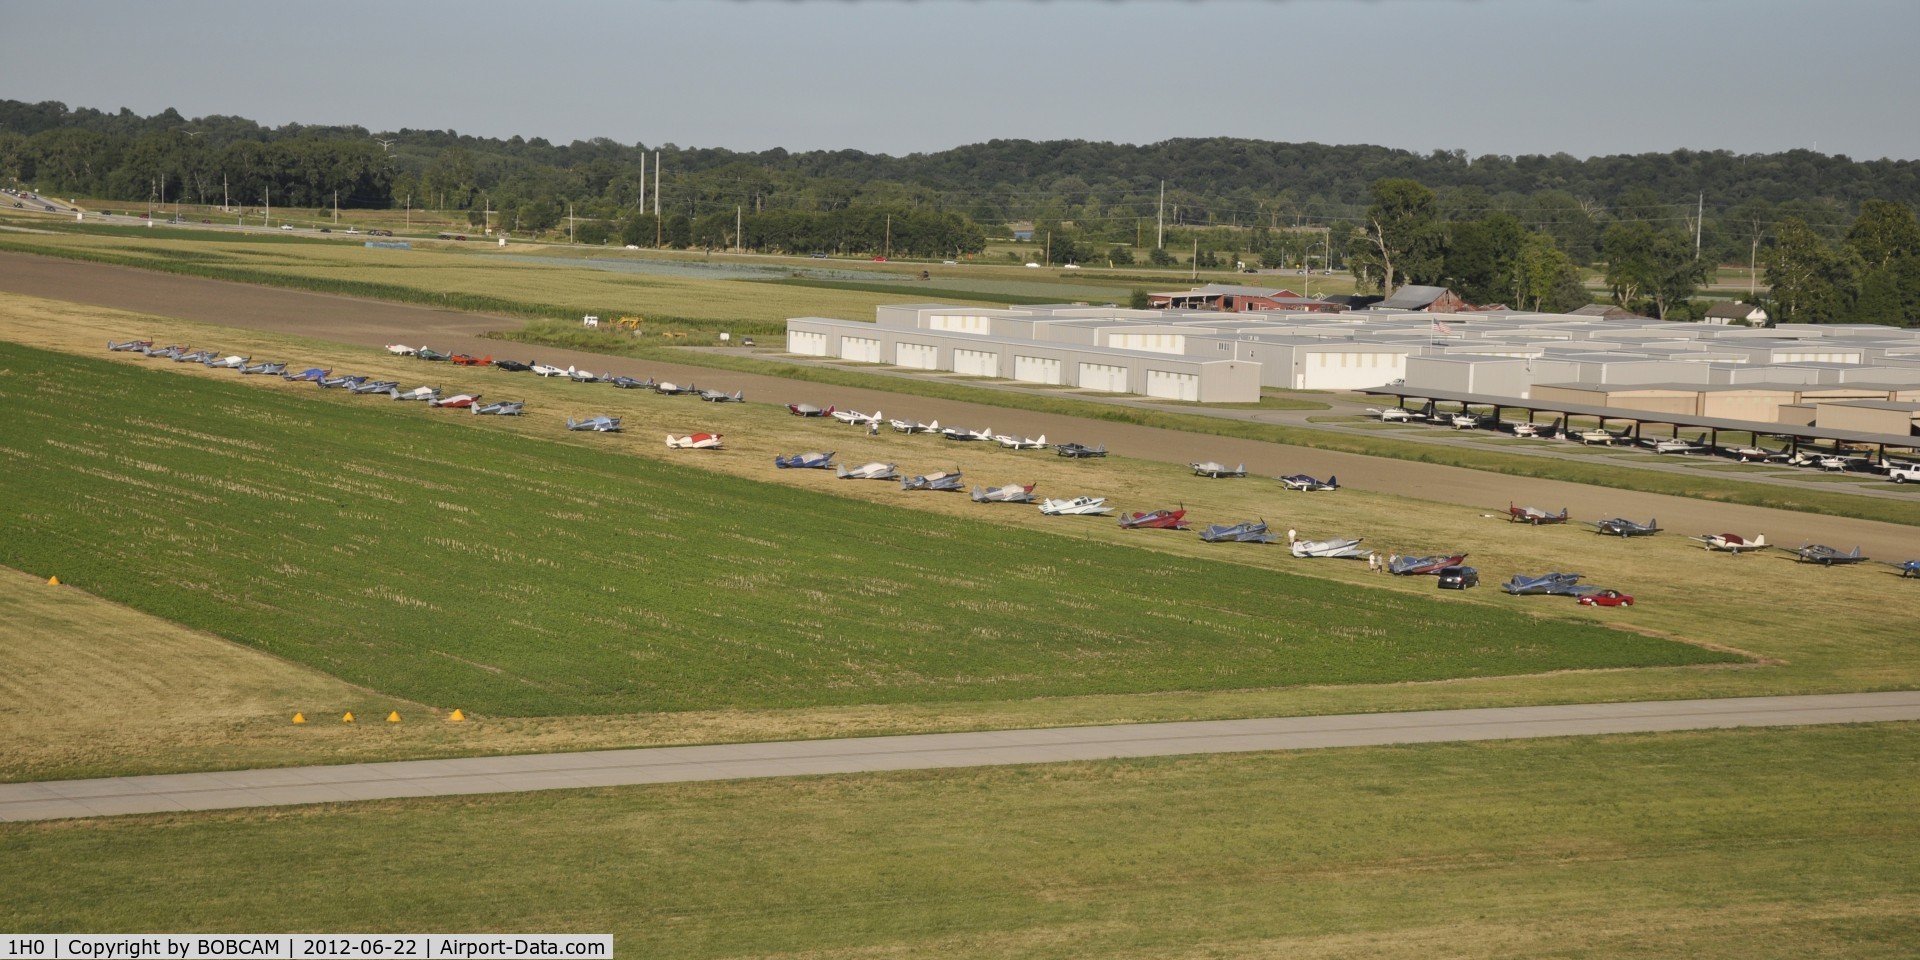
point(1584, 77)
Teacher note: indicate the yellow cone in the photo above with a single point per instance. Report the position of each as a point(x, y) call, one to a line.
point(457, 715)
point(299, 718)
point(53, 581)
point(348, 718)
point(393, 717)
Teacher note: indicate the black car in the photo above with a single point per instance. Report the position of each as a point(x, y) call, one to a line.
point(1458, 578)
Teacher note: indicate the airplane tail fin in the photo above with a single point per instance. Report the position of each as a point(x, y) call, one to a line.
point(1332, 480)
point(828, 412)
point(1760, 541)
point(933, 427)
point(393, 392)
point(570, 423)
point(1042, 441)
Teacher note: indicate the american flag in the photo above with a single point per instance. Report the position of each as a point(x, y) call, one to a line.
point(1439, 327)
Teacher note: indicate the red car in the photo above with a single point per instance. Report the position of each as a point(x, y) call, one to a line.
point(1606, 598)
point(879, 259)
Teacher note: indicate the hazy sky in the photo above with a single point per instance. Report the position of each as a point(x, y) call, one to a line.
point(893, 76)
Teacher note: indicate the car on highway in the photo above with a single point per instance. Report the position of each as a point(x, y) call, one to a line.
point(379, 233)
point(286, 226)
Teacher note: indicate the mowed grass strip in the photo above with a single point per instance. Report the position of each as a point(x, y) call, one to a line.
point(1716, 844)
point(423, 555)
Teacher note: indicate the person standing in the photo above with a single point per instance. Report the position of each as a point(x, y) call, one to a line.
point(1292, 536)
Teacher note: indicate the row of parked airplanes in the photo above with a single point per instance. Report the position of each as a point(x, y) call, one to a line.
point(1745, 453)
point(1732, 543)
point(1245, 532)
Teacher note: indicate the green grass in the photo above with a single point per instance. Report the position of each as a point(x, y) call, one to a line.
point(1725, 844)
point(431, 557)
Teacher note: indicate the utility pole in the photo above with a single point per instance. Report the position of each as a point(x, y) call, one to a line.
point(409, 211)
point(1049, 254)
point(658, 224)
point(336, 206)
point(886, 250)
point(1160, 234)
point(738, 245)
point(268, 221)
point(643, 182)
point(569, 221)
point(1699, 220)
point(225, 203)
point(1196, 258)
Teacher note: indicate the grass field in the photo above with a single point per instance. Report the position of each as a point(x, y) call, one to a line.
point(444, 562)
point(1730, 844)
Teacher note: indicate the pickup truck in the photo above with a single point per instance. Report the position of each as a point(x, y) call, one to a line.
point(1904, 474)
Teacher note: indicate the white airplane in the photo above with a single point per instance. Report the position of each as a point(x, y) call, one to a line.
point(855, 418)
point(1076, 507)
point(581, 376)
point(1022, 443)
point(235, 362)
point(1525, 428)
point(868, 471)
point(914, 426)
point(1732, 542)
point(1336, 548)
point(1394, 414)
point(721, 396)
point(1753, 453)
point(1596, 435)
point(549, 370)
point(1008, 493)
point(600, 424)
point(1678, 445)
point(694, 441)
point(1465, 421)
point(505, 408)
point(1217, 470)
point(417, 393)
point(457, 400)
point(402, 350)
point(962, 433)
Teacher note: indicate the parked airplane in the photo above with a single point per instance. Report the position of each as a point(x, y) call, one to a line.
point(168, 352)
point(721, 396)
point(581, 376)
point(331, 383)
point(426, 353)
point(1217, 470)
point(1301, 481)
point(547, 369)
point(1622, 527)
point(1551, 584)
point(1467, 421)
point(808, 410)
point(870, 471)
point(512, 366)
point(1534, 515)
point(694, 441)
point(1155, 520)
point(1252, 531)
point(1596, 435)
point(198, 356)
point(271, 368)
point(1412, 566)
point(1732, 542)
point(1021, 443)
point(130, 346)
point(1394, 414)
point(401, 350)
point(373, 386)
point(1336, 548)
point(229, 363)
point(1079, 451)
point(812, 460)
point(417, 393)
point(667, 388)
point(1750, 453)
point(1910, 568)
point(914, 426)
point(962, 433)
point(1008, 493)
point(629, 383)
point(505, 408)
point(855, 418)
point(1676, 445)
point(313, 374)
point(945, 480)
point(457, 401)
point(1827, 556)
point(600, 424)
point(1076, 507)
point(469, 360)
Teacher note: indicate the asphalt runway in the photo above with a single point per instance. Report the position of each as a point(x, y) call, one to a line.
point(375, 323)
point(288, 786)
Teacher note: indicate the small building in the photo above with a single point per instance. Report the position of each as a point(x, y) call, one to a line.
point(1232, 298)
point(1424, 300)
point(1607, 311)
point(1737, 312)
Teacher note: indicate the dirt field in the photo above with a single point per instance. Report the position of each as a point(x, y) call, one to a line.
point(372, 323)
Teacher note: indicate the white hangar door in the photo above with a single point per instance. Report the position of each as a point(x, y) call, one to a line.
point(1173, 386)
point(976, 363)
point(920, 356)
point(807, 344)
point(1105, 377)
point(860, 348)
point(1036, 370)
